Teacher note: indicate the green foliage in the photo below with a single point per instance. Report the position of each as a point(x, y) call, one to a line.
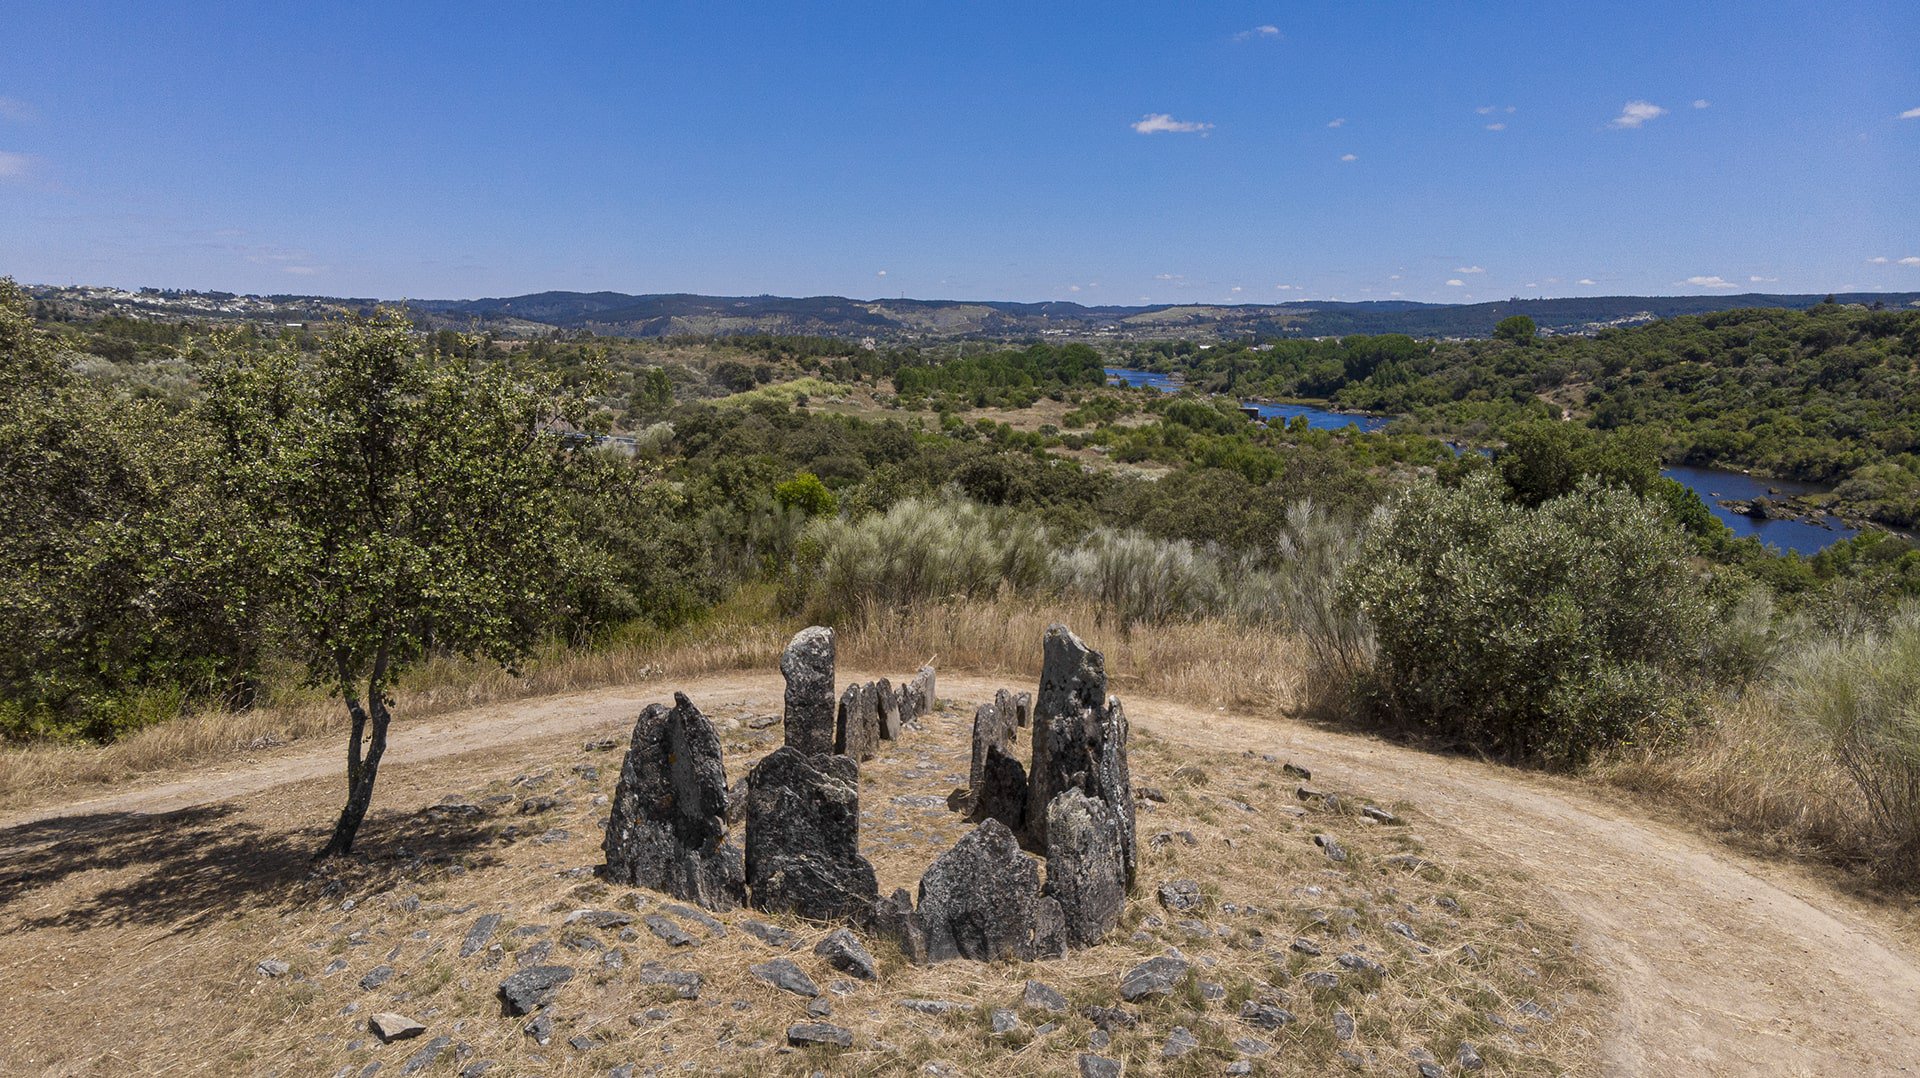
point(1545, 459)
point(1518, 328)
point(1007, 377)
point(805, 493)
point(1860, 697)
point(1537, 634)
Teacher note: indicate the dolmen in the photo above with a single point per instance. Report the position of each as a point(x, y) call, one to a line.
point(1046, 869)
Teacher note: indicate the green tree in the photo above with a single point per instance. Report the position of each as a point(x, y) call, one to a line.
point(407, 503)
point(1518, 328)
point(807, 494)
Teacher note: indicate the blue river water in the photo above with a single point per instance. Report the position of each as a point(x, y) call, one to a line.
point(1712, 484)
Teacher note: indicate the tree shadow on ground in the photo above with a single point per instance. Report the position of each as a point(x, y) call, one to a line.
point(199, 865)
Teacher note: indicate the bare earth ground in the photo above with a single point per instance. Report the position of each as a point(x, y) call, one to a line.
point(131, 921)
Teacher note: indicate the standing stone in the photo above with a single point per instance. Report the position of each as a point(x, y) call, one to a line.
point(808, 666)
point(894, 918)
point(803, 837)
point(1066, 728)
point(1086, 872)
point(667, 829)
point(857, 726)
point(992, 728)
point(977, 899)
point(920, 694)
point(1111, 780)
point(1002, 791)
point(887, 698)
point(1023, 710)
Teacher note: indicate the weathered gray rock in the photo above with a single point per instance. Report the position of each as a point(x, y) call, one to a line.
point(992, 729)
point(857, 722)
point(917, 698)
point(803, 837)
point(479, 934)
point(271, 967)
point(667, 930)
point(771, 935)
point(1093, 1066)
point(1112, 780)
point(1469, 1057)
point(1003, 1021)
point(376, 977)
point(427, 1056)
point(805, 1034)
point(843, 952)
point(1264, 1015)
point(1049, 928)
point(1073, 688)
point(807, 664)
point(894, 918)
point(1086, 872)
point(1157, 976)
point(532, 987)
point(938, 1008)
point(1022, 709)
point(1001, 793)
point(685, 983)
point(1179, 1042)
point(887, 700)
point(977, 899)
point(1180, 896)
point(1331, 846)
point(1043, 997)
point(667, 829)
point(784, 975)
point(390, 1027)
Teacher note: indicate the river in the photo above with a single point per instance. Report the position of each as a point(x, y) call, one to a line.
point(1711, 484)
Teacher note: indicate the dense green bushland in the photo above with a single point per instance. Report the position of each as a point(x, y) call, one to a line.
point(1831, 394)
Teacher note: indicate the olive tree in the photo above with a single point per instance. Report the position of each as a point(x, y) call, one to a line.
point(403, 503)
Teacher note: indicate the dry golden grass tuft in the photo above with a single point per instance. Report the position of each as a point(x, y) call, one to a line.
point(135, 944)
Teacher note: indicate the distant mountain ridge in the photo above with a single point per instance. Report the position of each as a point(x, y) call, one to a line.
point(621, 314)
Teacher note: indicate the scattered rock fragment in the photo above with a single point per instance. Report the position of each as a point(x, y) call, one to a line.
point(1263, 1015)
point(376, 977)
point(673, 934)
point(271, 967)
point(1043, 997)
point(1156, 976)
point(843, 952)
point(532, 987)
point(808, 1034)
point(784, 975)
point(771, 935)
point(427, 1056)
point(1179, 1042)
point(479, 934)
point(1093, 1066)
point(1331, 846)
point(390, 1027)
point(1180, 896)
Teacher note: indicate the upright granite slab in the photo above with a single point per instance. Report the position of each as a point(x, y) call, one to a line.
point(807, 665)
point(803, 837)
point(977, 899)
point(887, 699)
point(667, 827)
point(996, 783)
point(1066, 723)
point(1086, 869)
point(857, 723)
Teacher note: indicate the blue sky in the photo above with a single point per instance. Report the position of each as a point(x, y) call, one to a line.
point(1104, 153)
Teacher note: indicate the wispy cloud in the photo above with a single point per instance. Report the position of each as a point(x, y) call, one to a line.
point(1169, 277)
point(1349, 158)
point(12, 108)
point(1488, 110)
point(1911, 260)
point(13, 166)
point(1159, 123)
point(1455, 282)
point(1707, 282)
point(1469, 269)
point(1586, 281)
point(1635, 113)
point(1878, 260)
point(1757, 279)
point(1702, 103)
point(879, 273)
point(1911, 114)
point(1337, 121)
point(286, 260)
point(1258, 32)
point(1496, 127)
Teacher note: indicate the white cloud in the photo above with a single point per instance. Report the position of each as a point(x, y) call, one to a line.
point(1496, 127)
point(1337, 121)
point(1237, 288)
point(1911, 114)
point(301, 271)
point(1584, 280)
point(1702, 103)
point(1757, 279)
point(1456, 283)
point(1708, 282)
point(14, 165)
point(1169, 277)
point(880, 273)
point(1533, 284)
point(1635, 113)
point(1156, 123)
point(1073, 288)
point(1283, 287)
point(1488, 110)
point(1910, 260)
point(1878, 260)
point(12, 108)
point(1469, 269)
point(1348, 157)
point(1263, 31)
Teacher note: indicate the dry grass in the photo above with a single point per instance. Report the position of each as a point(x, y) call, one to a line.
point(1214, 662)
point(134, 946)
point(1749, 776)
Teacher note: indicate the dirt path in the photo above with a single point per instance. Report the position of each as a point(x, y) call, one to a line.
point(1723, 965)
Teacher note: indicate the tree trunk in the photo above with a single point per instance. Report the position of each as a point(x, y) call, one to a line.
point(361, 771)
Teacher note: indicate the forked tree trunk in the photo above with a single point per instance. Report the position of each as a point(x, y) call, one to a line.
point(361, 769)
